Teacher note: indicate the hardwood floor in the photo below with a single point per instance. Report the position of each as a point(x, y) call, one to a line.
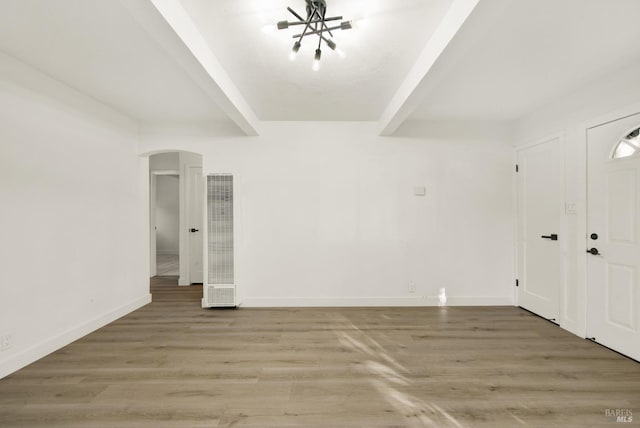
point(173, 364)
point(167, 265)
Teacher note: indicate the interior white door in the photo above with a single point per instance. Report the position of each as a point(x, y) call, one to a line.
point(613, 235)
point(195, 210)
point(540, 211)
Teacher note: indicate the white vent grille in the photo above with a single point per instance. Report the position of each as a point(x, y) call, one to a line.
point(220, 228)
point(220, 296)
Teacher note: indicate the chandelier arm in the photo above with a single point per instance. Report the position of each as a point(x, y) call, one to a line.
point(291, 24)
point(324, 22)
point(293, 12)
point(306, 27)
point(323, 19)
point(325, 40)
point(310, 33)
point(326, 28)
point(314, 22)
point(316, 12)
point(322, 26)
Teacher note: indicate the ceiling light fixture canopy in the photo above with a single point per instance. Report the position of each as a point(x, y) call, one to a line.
point(314, 24)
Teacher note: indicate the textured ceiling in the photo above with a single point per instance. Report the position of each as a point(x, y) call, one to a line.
point(380, 50)
point(96, 47)
point(508, 59)
point(531, 53)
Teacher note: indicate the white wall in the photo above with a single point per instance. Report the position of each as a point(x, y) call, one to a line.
point(567, 115)
point(74, 199)
point(167, 214)
point(164, 162)
point(328, 215)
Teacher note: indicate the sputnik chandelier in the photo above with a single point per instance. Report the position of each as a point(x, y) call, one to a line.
point(314, 25)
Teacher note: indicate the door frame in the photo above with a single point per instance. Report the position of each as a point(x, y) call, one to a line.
point(188, 208)
point(560, 136)
point(185, 210)
point(148, 183)
point(580, 326)
point(153, 199)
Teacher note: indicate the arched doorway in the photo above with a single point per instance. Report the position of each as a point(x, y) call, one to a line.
point(176, 215)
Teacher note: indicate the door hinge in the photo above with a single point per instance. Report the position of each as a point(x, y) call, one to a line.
point(517, 282)
point(517, 168)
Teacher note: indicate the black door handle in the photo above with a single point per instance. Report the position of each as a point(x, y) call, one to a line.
point(553, 237)
point(593, 251)
point(193, 230)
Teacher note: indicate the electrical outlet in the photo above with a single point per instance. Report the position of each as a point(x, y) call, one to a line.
point(412, 287)
point(6, 341)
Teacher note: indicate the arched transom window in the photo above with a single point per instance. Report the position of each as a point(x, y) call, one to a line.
point(628, 146)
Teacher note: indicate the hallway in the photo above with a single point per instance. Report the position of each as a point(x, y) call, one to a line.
point(167, 265)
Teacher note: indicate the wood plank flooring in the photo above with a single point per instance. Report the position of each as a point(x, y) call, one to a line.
point(173, 364)
point(167, 265)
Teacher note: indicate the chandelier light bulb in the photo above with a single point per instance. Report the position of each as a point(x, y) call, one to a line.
point(360, 23)
point(316, 60)
point(346, 25)
point(268, 29)
point(294, 51)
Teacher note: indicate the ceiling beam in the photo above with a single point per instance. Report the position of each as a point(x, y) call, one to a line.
point(186, 45)
point(415, 86)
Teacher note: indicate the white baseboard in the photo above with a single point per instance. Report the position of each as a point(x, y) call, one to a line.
point(574, 327)
point(262, 302)
point(182, 282)
point(52, 344)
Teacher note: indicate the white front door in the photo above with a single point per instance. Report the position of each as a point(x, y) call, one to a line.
point(613, 236)
point(194, 215)
point(540, 211)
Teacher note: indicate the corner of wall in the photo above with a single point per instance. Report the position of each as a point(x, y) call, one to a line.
point(44, 348)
